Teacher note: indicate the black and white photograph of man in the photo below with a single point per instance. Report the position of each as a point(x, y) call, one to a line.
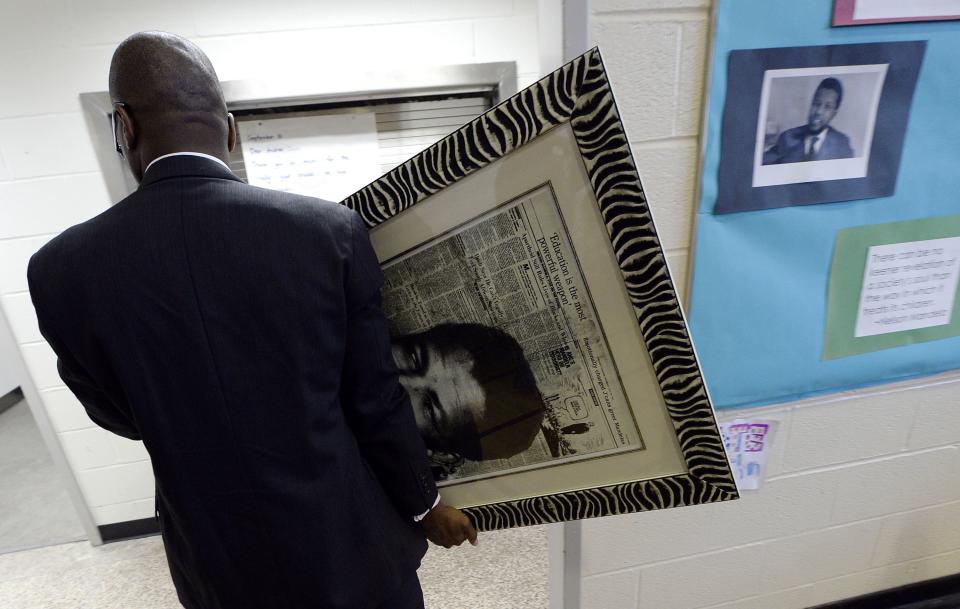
point(816, 140)
point(816, 124)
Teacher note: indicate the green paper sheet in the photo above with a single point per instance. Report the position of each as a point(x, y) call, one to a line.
point(914, 270)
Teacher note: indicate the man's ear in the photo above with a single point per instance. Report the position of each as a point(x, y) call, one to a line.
point(128, 130)
point(231, 132)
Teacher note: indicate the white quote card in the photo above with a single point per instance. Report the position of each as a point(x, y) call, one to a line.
point(329, 157)
point(907, 286)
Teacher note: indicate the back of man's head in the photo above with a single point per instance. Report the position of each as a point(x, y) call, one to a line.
point(169, 87)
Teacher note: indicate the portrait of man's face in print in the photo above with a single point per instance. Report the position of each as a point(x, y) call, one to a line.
point(816, 124)
point(496, 339)
point(472, 390)
point(816, 140)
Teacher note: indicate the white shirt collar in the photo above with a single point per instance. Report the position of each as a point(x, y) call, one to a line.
point(200, 154)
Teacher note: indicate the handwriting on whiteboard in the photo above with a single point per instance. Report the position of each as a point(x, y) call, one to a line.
point(329, 156)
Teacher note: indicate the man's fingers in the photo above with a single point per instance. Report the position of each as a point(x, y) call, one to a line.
point(456, 538)
point(459, 536)
point(470, 532)
point(450, 528)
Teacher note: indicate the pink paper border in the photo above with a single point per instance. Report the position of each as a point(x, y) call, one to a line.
point(843, 15)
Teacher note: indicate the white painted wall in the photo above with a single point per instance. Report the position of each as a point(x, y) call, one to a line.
point(9, 379)
point(864, 488)
point(52, 50)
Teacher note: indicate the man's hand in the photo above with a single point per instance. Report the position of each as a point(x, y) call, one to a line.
point(447, 526)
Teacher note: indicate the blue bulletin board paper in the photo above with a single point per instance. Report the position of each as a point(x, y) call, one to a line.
point(758, 293)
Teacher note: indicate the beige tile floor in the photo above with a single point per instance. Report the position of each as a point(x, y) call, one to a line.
point(507, 570)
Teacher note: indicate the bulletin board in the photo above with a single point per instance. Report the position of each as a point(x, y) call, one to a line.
point(786, 297)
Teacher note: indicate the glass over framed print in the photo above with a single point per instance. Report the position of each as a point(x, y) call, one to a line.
point(533, 318)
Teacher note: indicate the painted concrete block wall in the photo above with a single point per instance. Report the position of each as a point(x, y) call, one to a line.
point(52, 50)
point(9, 364)
point(9, 379)
point(863, 491)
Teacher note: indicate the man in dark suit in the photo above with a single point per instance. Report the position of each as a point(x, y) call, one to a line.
point(237, 331)
point(817, 140)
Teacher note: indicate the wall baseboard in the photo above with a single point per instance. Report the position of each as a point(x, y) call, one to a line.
point(942, 593)
point(9, 400)
point(130, 529)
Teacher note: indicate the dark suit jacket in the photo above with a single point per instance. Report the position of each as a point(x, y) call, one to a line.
point(790, 147)
point(238, 332)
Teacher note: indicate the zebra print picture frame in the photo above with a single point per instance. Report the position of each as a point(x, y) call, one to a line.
point(533, 319)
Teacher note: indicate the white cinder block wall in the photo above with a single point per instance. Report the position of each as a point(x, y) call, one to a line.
point(9, 379)
point(52, 50)
point(864, 488)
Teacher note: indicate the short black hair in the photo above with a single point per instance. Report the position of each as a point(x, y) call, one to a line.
point(167, 76)
point(831, 84)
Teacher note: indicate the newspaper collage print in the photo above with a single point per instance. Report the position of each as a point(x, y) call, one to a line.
point(497, 341)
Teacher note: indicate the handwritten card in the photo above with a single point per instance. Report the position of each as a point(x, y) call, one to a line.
point(908, 285)
point(330, 156)
point(747, 442)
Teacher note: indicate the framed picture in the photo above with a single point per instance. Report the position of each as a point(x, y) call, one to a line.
point(533, 319)
point(806, 125)
point(865, 12)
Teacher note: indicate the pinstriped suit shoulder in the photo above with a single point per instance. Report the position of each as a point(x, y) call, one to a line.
point(236, 330)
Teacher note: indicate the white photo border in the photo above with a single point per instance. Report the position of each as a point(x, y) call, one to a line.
point(815, 171)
